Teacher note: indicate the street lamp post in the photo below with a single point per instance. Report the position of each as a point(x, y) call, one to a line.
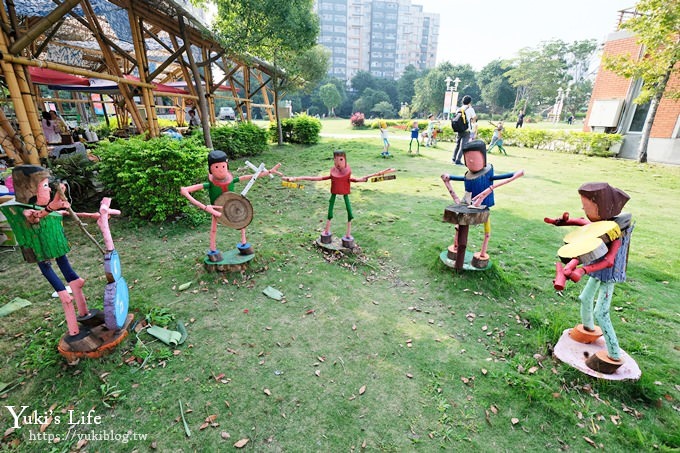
point(451, 96)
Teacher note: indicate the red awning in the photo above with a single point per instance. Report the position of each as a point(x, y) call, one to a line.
point(161, 88)
point(46, 76)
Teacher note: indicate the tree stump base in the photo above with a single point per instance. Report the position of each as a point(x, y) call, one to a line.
point(232, 261)
point(105, 340)
point(601, 362)
point(479, 261)
point(577, 354)
point(467, 262)
point(338, 245)
point(348, 242)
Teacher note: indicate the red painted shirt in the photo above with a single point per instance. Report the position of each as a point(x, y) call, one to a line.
point(340, 184)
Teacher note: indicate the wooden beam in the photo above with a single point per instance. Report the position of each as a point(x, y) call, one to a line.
point(171, 59)
point(42, 25)
point(51, 34)
point(71, 70)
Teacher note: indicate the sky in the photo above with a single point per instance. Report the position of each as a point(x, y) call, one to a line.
point(498, 29)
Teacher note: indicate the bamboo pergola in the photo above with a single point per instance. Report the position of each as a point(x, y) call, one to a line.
point(162, 41)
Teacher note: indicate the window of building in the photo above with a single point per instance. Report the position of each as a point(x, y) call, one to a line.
point(639, 117)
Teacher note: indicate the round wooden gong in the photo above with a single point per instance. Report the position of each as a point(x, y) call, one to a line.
point(237, 212)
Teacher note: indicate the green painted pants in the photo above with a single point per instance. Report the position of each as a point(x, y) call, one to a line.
point(601, 312)
point(331, 205)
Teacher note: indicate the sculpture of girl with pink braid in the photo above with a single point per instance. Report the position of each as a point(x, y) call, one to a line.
point(36, 219)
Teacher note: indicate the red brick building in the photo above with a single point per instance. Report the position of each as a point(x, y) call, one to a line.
point(611, 106)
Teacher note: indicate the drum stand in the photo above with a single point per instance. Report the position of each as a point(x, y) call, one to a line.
point(456, 255)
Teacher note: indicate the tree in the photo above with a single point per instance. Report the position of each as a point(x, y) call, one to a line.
point(383, 109)
point(361, 81)
point(406, 84)
point(497, 92)
point(248, 27)
point(430, 89)
point(331, 97)
point(369, 99)
point(537, 74)
point(656, 26)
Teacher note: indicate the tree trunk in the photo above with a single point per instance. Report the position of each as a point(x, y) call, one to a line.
point(653, 107)
point(279, 129)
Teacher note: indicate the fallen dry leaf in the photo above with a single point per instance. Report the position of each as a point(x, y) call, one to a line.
point(533, 369)
point(590, 441)
point(81, 443)
point(211, 418)
point(494, 409)
point(204, 426)
point(225, 435)
point(153, 445)
point(318, 373)
point(267, 392)
point(362, 390)
point(47, 423)
point(241, 443)
point(484, 371)
point(514, 420)
point(409, 375)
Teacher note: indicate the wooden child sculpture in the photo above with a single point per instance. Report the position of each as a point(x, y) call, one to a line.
point(221, 181)
point(36, 219)
point(600, 246)
point(479, 187)
point(341, 178)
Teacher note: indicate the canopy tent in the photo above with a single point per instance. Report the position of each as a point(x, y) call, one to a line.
point(110, 87)
point(46, 76)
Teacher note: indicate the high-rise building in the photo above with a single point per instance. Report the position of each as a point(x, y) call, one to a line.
point(382, 37)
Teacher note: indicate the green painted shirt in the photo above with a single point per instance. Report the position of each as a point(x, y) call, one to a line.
point(40, 241)
point(215, 191)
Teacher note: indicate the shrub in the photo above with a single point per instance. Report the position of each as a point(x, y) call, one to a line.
point(357, 119)
point(79, 173)
point(145, 177)
point(301, 129)
point(239, 139)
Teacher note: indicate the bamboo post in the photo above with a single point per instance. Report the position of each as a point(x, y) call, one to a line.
point(246, 86)
point(28, 152)
point(10, 141)
point(29, 105)
point(143, 66)
point(113, 67)
point(199, 86)
point(210, 100)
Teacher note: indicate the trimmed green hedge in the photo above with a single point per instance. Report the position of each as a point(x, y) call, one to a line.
point(145, 176)
point(301, 129)
point(239, 139)
point(576, 142)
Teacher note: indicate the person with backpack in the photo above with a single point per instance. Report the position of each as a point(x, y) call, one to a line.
point(461, 125)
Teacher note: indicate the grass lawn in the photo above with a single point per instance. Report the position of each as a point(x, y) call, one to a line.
point(386, 350)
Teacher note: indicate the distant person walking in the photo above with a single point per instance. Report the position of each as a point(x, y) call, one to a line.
point(464, 136)
point(520, 120)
